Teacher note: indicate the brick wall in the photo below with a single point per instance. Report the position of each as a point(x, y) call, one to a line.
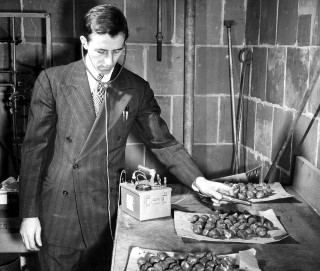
point(284, 55)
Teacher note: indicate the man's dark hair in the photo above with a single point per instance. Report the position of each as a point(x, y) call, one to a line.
point(105, 19)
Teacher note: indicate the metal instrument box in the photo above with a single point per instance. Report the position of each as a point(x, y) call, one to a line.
point(145, 205)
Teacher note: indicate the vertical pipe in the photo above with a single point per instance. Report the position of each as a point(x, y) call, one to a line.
point(14, 83)
point(14, 101)
point(189, 68)
point(14, 53)
point(159, 32)
point(48, 60)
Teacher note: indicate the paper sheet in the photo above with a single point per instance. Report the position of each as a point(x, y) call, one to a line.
point(183, 228)
point(246, 259)
point(278, 193)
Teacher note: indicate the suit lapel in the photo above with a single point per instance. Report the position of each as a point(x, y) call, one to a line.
point(118, 96)
point(78, 95)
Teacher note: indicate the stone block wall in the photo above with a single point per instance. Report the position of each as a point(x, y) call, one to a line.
point(284, 57)
point(213, 138)
point(284, 37)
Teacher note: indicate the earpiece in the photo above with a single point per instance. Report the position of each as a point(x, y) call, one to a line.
point(84, 46)
point(83, 41)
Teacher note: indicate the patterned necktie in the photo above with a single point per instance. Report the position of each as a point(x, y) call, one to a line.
point(98, 94)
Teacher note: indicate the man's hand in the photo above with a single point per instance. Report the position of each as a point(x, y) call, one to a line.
point(30, 231)
point(212, 189)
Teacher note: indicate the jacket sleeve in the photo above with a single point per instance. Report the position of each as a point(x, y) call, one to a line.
point(35, 150)
point(156, 136)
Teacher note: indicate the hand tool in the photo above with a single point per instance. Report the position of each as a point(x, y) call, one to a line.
point(225, 198)
point(235, 200)
point(245, 58)
point(228, 24)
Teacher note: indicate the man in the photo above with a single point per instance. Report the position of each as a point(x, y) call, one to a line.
point(69, 184)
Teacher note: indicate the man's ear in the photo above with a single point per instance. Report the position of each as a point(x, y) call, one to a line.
point(84, 42)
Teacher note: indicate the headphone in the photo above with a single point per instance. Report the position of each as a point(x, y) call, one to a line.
point(122, 65)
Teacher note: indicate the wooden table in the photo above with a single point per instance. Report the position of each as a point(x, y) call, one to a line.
point(300, 251)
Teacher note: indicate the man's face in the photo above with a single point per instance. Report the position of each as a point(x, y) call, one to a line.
point(103, 50)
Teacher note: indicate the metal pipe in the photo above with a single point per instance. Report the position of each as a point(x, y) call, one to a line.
point(23, 14)
point(14, 75)
point(48, 62)
point(2, 71)
point(315, 81)
point(8, 85)
point(5, 71)
point(228, 24)
point(10, 40)
point(159, 35)
point(189, 68)
point(14, 100)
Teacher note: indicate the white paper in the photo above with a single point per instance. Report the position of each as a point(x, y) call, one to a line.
point(248, 257)
point(278, 193)
point(183, 227)
point(248, 261)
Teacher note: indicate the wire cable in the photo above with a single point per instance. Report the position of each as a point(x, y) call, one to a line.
point(108, 180)
point(106, 124)
point(188, 194)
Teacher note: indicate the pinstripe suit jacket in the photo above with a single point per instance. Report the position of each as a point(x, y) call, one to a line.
point(65, 157)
